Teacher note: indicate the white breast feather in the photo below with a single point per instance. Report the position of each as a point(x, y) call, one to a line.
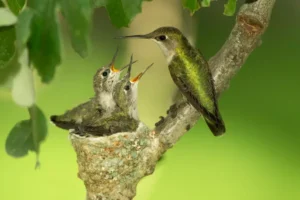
point(133, 108)
point(107, 101)
point(168, 54)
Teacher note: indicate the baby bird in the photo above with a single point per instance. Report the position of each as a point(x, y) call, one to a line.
point(126, 92)
point(104, 82)
point(125, 116)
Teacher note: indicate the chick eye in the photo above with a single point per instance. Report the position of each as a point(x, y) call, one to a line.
point(161, 37)
point(105, 73)
point(127, 87)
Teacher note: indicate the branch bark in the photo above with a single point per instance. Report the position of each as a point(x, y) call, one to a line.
point(112, 166)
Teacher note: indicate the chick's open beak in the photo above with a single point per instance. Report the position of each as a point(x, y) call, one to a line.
point(112, 64)
point(113, 69)
point(127, 65)
point(139, 76)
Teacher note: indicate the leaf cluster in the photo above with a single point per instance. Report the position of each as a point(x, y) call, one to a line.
point(194, 5)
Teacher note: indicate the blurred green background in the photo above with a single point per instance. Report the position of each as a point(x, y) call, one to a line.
point(258, 158)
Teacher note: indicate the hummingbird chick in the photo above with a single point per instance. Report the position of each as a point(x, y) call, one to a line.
point(190, 72)
point(104, 82)
point(73, 119)
point(125, 117)
point(96, 108)
point(126, 92)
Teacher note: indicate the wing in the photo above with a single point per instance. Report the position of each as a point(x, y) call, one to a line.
point(74, 117)
point(193, 79)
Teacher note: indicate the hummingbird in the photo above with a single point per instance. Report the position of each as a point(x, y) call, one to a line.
point(73, 119)
point(126, 92)
point(96, 108)
point(190, 72)
point(125, 116)
point(104, 82)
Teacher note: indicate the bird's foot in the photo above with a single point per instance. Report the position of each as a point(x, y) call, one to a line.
point(172, 110)
point(162, 119)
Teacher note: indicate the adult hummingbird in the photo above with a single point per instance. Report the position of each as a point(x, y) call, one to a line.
point(190, 72)
point(126, 92)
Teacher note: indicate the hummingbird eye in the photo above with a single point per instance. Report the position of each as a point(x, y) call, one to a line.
point(105, 73)
point(161, 38)
point(127, 87)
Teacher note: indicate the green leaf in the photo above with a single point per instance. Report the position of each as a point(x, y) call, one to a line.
point(23, 87)
point(8, 57)
point(192, 5)
point(229, 8)
point(7, 18)
point(7, 47)
point(17, 141)
point(15, 5)
point(205, 3)
point(23, 27)
point(27, 135)
point(7, 73)
point(39, 127)
point(39, 5)
point(78, 14)
point(98, 3)
point(44, 42)
point(121, 12)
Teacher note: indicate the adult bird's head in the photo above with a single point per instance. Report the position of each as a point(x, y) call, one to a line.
point(167, 38)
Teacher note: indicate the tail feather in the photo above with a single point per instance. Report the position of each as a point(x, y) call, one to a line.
point(62, 123)
point(53, 118)
point(216, 126)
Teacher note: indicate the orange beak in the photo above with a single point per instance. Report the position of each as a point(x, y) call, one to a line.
point(135, 79)
point(113, 69)
point(139, 76)
point(112, 64)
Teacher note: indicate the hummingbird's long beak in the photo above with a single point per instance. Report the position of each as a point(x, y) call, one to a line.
point(112, 64)
point(127, 66)
point(127, 76)
point(139, 76)
point(146, 36)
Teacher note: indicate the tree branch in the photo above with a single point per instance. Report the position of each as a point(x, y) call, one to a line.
point(112, 166)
